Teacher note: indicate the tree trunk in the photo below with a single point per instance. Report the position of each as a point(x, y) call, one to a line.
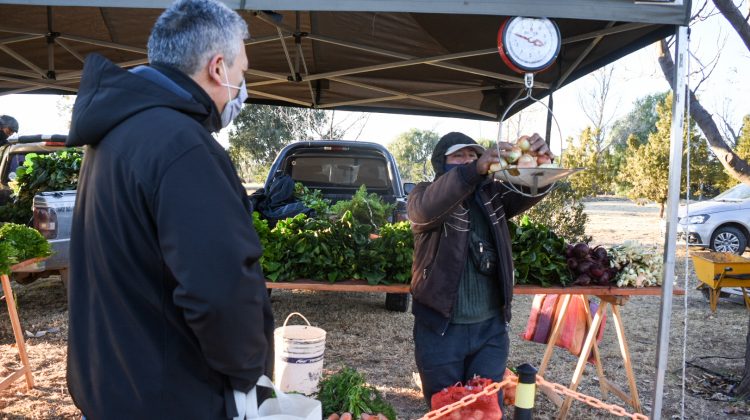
point(743, 389)
point(737, 168)
point(734, 17)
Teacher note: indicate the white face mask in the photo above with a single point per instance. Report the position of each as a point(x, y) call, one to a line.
point(234, 106)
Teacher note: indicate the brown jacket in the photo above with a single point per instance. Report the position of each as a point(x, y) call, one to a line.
point(440, 223)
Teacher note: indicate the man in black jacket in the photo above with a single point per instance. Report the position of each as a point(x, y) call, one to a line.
point(169, 312)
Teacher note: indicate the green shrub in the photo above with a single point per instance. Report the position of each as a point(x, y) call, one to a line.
point(562, 210)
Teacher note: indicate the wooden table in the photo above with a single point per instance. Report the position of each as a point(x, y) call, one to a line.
point(610, 297)
point(25, 369)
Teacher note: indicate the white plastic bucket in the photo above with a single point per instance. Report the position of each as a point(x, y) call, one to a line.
point(299, 351)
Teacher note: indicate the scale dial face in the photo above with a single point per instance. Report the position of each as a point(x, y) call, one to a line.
point(528, 45)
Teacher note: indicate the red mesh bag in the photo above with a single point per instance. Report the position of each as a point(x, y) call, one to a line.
point(485, 407)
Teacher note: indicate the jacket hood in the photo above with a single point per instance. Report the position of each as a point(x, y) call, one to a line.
point(109, 95)
point(445, 142)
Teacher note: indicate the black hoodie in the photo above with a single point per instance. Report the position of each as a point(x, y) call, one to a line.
point(168, 305)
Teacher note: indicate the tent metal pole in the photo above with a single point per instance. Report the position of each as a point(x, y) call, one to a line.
point(673, 197)
point(456, 67)
point(415, 97)
point(404, 96)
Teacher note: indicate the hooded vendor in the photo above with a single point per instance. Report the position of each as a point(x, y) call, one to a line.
point(462, 275)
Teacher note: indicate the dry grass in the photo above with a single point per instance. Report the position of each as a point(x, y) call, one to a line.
point(378, 343)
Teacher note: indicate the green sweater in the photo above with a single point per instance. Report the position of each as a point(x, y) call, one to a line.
point(479, 296)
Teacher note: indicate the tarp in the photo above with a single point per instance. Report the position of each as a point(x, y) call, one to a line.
point(435, 57)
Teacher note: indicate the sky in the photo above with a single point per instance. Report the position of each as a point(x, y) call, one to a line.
point(635, 76)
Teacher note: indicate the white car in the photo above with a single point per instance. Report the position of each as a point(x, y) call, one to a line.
point(721, 224)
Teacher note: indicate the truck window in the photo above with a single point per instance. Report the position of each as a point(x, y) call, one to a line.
point(344, 171)
point(14, 162)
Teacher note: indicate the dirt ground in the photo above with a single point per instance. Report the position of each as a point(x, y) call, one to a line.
point(378, 343)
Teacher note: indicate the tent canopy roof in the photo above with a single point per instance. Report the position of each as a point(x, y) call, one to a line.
point(404, 56)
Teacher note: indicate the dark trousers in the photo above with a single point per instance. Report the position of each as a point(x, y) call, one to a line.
point(463, 351)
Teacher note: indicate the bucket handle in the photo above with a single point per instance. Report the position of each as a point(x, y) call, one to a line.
point(296, 313)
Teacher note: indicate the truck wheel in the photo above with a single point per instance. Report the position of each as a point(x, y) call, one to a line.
point(397, 302)
point(23, 278)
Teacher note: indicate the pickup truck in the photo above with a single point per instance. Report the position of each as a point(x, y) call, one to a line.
point(12, 155)
point(338, 168)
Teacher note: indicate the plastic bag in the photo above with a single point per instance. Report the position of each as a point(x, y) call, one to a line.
point(573, 329)
point(485, 407)
point(283, 407)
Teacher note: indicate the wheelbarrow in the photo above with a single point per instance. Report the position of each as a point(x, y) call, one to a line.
point(721, 269)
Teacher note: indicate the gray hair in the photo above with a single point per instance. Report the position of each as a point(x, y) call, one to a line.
point(190, 32)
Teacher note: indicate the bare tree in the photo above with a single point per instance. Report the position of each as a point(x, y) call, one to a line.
point(595, 103)
point(736, 167)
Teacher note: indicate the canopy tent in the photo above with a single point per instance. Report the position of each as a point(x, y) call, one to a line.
point(436, 57)
point(404, 56)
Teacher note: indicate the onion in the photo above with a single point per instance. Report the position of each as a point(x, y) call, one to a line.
point(543, 159)
point(526, 161)
point(513, 154)
point(523, 143)
point(499, 166)
point(605, 277)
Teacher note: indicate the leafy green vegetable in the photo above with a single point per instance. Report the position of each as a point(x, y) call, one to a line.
point(347, 391)
point(367, 209)
point(312, 199)
point(538, 254)
point(27, 242)
point(19, 243)
point(7, 257)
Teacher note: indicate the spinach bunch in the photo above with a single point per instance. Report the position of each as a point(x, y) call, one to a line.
point(392, 254)
point(538, 254)
point(367, 209)
point(312, 199)
point(346, 391)
point(19, 243)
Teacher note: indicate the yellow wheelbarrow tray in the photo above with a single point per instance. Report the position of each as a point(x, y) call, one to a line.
point(722, 269)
